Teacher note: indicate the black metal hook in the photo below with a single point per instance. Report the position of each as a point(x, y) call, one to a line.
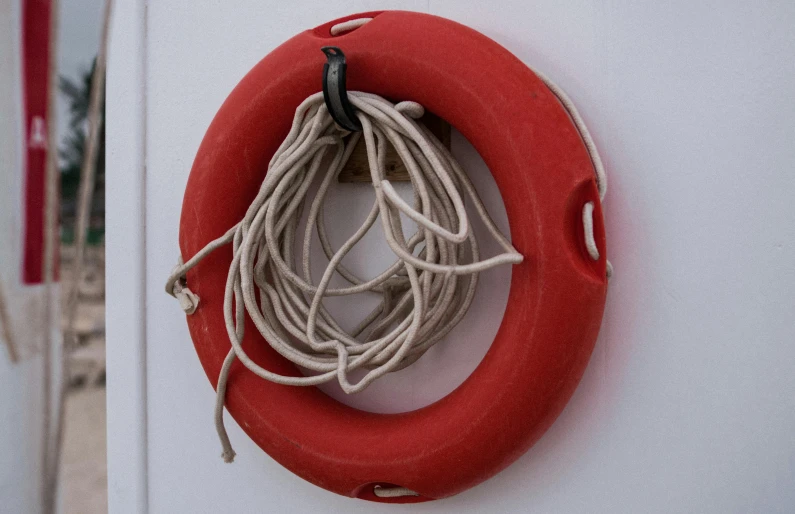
point(335, 92)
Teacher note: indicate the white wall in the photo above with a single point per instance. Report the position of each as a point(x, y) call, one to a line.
point(688, 403)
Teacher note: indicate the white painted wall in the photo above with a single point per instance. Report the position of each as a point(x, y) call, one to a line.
point(22, 395)
point(688, 404)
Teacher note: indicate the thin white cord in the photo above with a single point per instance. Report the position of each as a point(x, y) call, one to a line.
point(599, 169)
point(587, 223)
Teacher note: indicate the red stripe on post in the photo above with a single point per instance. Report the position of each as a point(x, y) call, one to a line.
point(36, 61)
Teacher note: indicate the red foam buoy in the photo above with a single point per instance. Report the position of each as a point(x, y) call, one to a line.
point(557, 294)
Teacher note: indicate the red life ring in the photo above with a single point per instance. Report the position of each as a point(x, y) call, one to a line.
point(557, 295)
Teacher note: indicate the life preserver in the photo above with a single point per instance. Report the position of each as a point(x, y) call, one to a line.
point(545, 174)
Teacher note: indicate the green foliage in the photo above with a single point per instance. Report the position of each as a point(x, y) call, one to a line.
point(72, 149)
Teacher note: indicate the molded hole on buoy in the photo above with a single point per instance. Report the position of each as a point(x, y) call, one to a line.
point(344, 26)
point(389, 493)
point(575, 231)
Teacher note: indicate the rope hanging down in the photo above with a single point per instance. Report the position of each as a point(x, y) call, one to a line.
point(425, 292)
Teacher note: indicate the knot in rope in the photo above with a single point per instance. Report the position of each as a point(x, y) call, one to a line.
point(188, 300)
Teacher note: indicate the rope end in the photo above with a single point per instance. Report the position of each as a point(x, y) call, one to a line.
point(188, 300)
point(229, 456)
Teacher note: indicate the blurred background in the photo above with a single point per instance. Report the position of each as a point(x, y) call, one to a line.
point(49, 56)
point(83, 469)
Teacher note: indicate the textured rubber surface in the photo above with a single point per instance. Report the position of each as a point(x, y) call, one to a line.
point(557, 294)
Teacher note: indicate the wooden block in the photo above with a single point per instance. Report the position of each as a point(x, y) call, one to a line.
point(358, 170)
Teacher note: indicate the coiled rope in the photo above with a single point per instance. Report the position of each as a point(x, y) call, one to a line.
point(425, 292)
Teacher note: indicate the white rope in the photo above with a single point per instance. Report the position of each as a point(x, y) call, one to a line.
point(425, 292)
point(587, 223)
point(590, 146)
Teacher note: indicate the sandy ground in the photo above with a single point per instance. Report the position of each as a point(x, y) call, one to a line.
point(83, 474)
point(84, 469)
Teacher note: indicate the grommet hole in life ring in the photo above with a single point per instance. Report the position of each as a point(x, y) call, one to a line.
point(343, 26)
point(449, 362)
